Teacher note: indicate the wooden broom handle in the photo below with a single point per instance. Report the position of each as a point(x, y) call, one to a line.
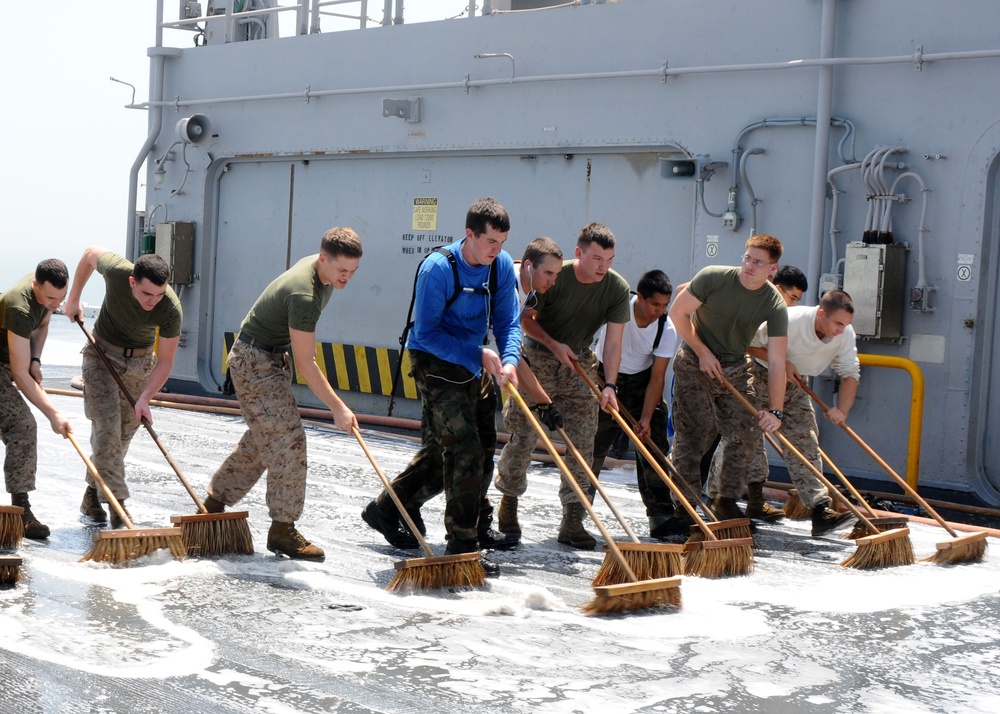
point(392, 494)
point(571, 480)
point(709, 535)
point(888, 469)
point(798, 454)
point(571, 447)
point(145, 422)
point(850, 486)
point(100, 482)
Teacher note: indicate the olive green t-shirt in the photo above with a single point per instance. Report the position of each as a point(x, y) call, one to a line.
point(572, 312)
point(122, 321)
point(730, 315)
point(20, 313)
point(293, 300)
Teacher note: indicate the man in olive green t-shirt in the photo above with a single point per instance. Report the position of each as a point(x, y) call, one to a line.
point(558, 333)
point(284, 317)
point(137, 303)
point(25, 310)
point(717, 315)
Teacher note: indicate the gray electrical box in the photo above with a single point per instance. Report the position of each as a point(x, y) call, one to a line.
point(874, 277)
point(175, 244)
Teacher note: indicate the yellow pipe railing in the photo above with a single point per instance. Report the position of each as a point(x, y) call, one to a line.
point(916, 407)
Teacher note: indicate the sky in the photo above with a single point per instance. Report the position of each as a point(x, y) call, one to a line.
point(70, 143)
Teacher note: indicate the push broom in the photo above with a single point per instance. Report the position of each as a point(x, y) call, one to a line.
point(10, 569)
point(714, 552)
point(794, 509)
point(961, 549)
point(648, 561)
point(118, 547)
point(633, 595)
point(11, 527)
point(878, 550)
point(435, 572)
point(204, 533)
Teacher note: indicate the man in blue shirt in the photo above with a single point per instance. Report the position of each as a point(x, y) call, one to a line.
point(455, 372)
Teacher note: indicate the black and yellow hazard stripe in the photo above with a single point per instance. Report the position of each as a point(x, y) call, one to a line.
point(355, 368)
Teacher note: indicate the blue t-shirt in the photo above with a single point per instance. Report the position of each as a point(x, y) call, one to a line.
point(455, 334)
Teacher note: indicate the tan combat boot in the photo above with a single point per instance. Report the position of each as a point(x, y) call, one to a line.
point(758, 508)
point(507, 516)
point(571, 530)
point(726, 508)
point(33, 528)
point(91, 506)
point(213, 505)
point(116, 520)
point(285, 539)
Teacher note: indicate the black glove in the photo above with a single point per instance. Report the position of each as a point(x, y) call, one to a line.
point(549, 415)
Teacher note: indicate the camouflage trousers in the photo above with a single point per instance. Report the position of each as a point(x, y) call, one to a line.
point(19, 433)
point(799, 427)
point(702, 409)
point(112, 419)
point(459, 435)
point(579, 408)
point(274, 440)
point(631, 397)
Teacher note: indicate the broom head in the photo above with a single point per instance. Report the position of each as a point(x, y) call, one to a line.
point(119, 547)
point(648, 561)
point(964, 549)
point(641, 595)
point(10, 569)
point(719, 558)
point(886, 523)
point(732, 528)
point(438, 572)
point(11, 526)
point(207, 534)
point(794, 509)
point(882, 550)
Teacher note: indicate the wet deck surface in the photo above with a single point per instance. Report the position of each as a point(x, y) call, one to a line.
point(259, 633)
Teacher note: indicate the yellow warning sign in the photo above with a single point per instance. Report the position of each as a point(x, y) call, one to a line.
point(425, 214)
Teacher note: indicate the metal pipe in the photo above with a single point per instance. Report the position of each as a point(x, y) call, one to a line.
point(159, 56)
point(916, 407)
point(821, 154)
point(746, 182)
point(834, 209)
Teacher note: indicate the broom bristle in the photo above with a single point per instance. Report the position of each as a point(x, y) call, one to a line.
point(887, 523)
point(884, 550)
point(119, 547)
point(966, 549)
point(217, 537)
point(437, 576)
point(10, 570)
point(648, 562)
point(716, 559)
point(11, 527)
point(631, 596)
point(794, 509)
point(723, 530)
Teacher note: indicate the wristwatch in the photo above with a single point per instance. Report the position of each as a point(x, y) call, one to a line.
point(612, 385)
point(778, 413)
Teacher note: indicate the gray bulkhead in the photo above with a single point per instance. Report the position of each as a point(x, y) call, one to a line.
point(581, 125)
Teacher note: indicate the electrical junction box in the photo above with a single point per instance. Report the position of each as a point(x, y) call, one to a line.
point(874, 278)
point(175, 244)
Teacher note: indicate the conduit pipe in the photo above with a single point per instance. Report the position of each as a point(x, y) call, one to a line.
point(916, 407)
point(756, 151)
point(834, 209)
point(821, 155)
point(661, 73)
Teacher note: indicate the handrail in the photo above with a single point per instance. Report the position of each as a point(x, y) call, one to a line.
point(916, 407)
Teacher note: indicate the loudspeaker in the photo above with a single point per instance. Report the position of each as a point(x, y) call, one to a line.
point(678, 168)
point(195, 129)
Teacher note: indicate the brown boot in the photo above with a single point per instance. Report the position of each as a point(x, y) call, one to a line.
point(726, 508)
point(116, 520)
point(571, 530)
point(213, 505)
point(33, 528)
point(284, 538)
point(91, 506)
point(826, 519)
point(507, 516)
point(758, 508)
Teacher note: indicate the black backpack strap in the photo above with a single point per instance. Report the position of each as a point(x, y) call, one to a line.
point(659, 330)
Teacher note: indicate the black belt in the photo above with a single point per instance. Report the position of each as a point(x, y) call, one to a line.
point(262, 346)
point(730, 361)
point(126, 352)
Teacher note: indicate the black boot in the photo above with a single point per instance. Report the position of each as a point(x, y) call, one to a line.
point(458, 547)
point(392, 530)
